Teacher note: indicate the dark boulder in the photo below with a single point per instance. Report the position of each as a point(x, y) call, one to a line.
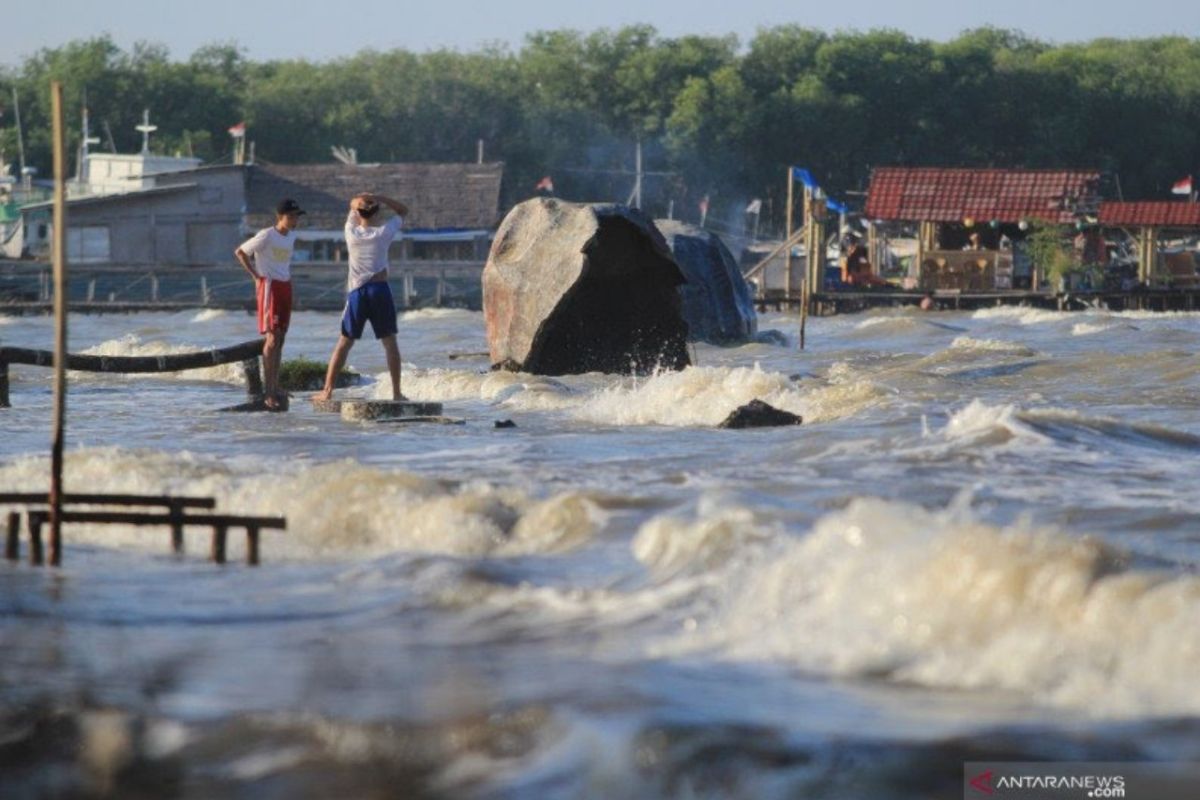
point(718, 305)
point(571, 288)
point(757, 414)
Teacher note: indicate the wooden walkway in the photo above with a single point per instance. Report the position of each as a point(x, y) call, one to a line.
point(843, 302)
point(175, 515)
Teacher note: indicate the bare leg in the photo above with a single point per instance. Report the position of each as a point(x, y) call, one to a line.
point(392, 351)
point(281, 336)
point(272, 348)
point(336, 362)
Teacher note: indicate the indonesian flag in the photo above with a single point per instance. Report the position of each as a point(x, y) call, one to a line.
point(703, 209)
point(238, 131)
point(545, 184)
point(1182, 186)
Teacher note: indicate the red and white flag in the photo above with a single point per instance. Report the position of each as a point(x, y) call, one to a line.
point(545, 184)
point(238, 131)
point(703, 209)
point(1182, 186)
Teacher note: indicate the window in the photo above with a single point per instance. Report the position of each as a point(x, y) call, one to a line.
point(211, 196)
point(88, 244)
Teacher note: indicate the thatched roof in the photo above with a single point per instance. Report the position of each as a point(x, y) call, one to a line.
point(438, 195)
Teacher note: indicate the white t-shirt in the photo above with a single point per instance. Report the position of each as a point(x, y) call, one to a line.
point(367, 249)
point(272, 253)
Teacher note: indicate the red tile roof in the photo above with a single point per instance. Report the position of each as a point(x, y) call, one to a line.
point(1158, 214)
point(952, 195)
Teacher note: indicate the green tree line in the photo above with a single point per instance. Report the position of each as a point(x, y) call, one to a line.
point(717, 117)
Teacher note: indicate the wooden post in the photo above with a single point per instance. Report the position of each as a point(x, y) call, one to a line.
point(12, 543)
point(1148, 255)
point(60, 319)
point(787, 255)
point(254, 379)
point(252, 545)
point(217, 555)
point(176, 511)
point(35, 538)
point(4, 384)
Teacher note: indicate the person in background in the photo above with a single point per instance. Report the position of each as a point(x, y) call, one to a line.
point(368, 296)
point(974, 242)
point(856, 267)
point(267, 257)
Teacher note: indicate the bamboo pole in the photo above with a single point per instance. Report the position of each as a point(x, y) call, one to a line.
point(787, 256)
point(805, 287)
point(60, 322)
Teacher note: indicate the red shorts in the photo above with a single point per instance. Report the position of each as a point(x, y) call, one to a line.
point(274, 306)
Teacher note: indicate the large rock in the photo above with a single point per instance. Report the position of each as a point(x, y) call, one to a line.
point(571, 288)
point(718, 305)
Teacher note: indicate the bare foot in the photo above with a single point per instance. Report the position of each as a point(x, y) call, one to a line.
point(271, 402)
point(399, 398)
point(322, 396)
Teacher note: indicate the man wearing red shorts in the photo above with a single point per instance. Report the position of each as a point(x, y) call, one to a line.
point(267, 256)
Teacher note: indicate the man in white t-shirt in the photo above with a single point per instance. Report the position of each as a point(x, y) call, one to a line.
point(267, 256)
point(368, 296)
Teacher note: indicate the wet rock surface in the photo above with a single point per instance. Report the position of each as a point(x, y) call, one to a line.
point(718, 305)
point(757, 414)
point(572, 288)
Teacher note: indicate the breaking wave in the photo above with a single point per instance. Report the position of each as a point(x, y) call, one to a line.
point(339, 508)
point(892, 591)
point(1020, 314)
point(990, 345)
point(704, 396)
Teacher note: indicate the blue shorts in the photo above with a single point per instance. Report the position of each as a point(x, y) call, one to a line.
point(370, 302)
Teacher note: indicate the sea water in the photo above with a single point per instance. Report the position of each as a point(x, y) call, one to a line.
point(982, 544)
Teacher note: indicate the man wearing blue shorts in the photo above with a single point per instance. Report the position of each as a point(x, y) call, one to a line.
point(368, 296)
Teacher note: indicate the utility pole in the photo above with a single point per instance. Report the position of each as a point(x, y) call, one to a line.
point(479, 151)
point(86, 140)
point(635, 197)
point(112, 145)
point(20, 139)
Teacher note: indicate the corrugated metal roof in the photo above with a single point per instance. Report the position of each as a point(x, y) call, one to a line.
point(117, 197)
point(932, 194)
point(1158, 214)
point(439, 195)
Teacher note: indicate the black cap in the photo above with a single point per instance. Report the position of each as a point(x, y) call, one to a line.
point(289, 206)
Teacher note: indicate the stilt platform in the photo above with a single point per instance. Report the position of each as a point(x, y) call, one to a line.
point(829, 303)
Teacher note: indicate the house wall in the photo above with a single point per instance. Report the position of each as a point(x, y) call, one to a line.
point(200, 224)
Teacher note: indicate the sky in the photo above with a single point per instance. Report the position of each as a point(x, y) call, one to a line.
point(320, 30)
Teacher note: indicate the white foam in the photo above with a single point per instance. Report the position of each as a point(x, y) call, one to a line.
point(990, 345)
point(513, 389)
point(887, 589)
point(1022, 315)
point(706, 395)
point(132, 345)
point(209, 314)
point(437, 313)
point(978, 422)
